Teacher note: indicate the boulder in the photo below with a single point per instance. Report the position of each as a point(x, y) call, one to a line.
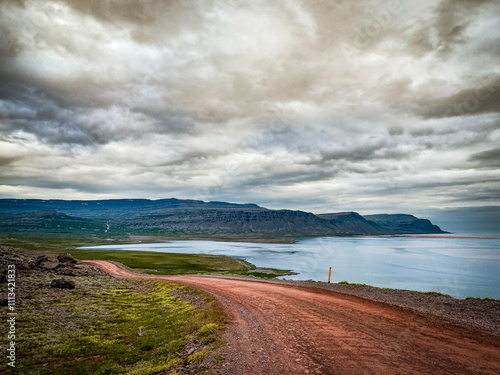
point(23, 265)
point(41, 259)
point(63, 284)
point(66, 258)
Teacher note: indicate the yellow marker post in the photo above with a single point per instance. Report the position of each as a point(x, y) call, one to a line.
point(329, 275)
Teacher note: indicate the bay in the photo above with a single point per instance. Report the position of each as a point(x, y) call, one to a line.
point(459, 267)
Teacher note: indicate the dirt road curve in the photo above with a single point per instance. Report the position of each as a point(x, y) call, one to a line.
point(282, 329)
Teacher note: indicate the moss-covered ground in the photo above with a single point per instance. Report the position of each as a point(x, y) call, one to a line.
point(110, 326)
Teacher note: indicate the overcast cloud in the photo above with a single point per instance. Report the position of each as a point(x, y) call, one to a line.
point(318, 105)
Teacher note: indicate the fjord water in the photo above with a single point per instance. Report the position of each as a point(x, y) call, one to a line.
point(455, 266)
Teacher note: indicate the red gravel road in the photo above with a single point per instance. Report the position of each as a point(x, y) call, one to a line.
point(283, 329)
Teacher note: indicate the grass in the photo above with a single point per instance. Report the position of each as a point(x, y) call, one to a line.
point(142, 261)
point(480, 299)
point(94, 329)
point(348, 283)
point(437, 294)
point(166, 263)
point(179, 264)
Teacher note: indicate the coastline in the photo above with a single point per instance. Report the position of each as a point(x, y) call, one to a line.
point(448, 236)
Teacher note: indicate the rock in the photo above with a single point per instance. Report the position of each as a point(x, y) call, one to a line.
point(68, 272)
point(48, 265)
point(23, 265)
point(41, 259)
point(67, 258)
point(63, 284)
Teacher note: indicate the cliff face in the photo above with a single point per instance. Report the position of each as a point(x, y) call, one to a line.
point(352, 222)
point(190, 216)
point(404, 224)
point(236, 221)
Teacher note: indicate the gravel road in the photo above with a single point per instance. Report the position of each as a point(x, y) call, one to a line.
point(290, 329)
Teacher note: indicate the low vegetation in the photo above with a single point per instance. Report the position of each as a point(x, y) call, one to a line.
point(179, 264)
point(143, 261)
point(480, 299)
point(348, 283)
point(110, 326)
point(117, 326)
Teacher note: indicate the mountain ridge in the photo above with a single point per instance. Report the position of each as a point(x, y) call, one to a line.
point(194, 216)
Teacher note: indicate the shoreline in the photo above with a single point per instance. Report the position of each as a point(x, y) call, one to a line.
point(448, 236)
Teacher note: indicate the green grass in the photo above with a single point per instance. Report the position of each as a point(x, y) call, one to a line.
point(166, 263)
point(437, 294)
point(53, 243)
point(142, 261)
point(348, 283)
point(179, 264)
point(94, 330)
point(480, 299)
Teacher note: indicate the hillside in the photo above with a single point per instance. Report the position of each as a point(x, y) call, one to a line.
point(352, 222)
point(404, 224)
point(48, 221)
point(192, 217)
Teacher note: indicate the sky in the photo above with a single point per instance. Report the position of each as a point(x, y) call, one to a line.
point(324, 106)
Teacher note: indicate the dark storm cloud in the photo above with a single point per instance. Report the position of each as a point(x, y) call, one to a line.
point(378, 150)
point(489, 158)
point(5, 161)
point(453, 18)
point(446, 27)
point(484, 98)
point(290, 178)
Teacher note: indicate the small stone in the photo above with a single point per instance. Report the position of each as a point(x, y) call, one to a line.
point(63, 284)
point(48, 265)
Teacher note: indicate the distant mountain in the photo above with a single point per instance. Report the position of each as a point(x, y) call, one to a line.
point(235, 220)
point(48, 221)
point(352, 222)
point(192, 217)
point(113, 208)
point(404, 224)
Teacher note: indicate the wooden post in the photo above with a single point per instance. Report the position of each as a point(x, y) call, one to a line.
point(329, 275)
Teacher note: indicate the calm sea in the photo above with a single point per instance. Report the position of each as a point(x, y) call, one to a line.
point(455, 266)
